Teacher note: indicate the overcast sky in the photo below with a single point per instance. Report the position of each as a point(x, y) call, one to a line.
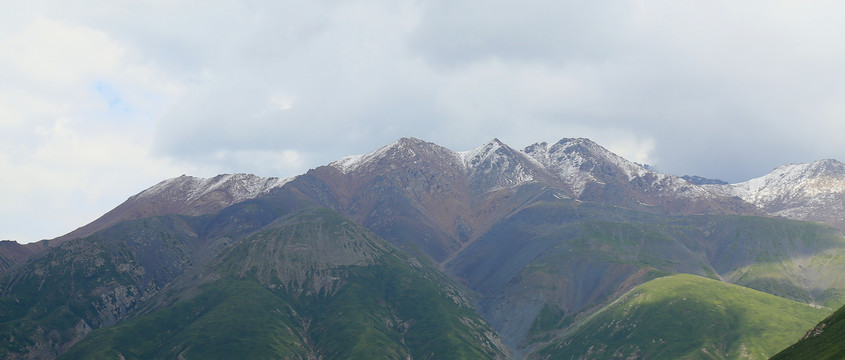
point(102, 99)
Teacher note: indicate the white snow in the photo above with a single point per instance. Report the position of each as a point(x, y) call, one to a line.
point(797, 187)
point(351, 163)
point(240, 186)
point(579, 162)
point(498, 166)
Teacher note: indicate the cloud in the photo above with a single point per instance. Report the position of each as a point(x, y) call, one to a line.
point(75, 115)
point(720, 89)
point(70, 177)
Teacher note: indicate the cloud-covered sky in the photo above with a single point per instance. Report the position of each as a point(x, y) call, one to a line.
point(102, 99)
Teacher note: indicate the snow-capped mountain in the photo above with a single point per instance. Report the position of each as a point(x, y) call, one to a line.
point(590, 171)
point(495, 165)
point(551, 231)
point(579, 162)
point(442, 184)
point(579, 167)
point(814, 191)
point(192, 195)
point(186, 195)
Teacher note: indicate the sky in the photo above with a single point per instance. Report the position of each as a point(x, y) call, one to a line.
point(102, 99)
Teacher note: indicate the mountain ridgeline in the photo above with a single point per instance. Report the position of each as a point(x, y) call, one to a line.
point(417, 251)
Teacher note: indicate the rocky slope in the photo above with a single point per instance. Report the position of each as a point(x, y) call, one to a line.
point(11, 252)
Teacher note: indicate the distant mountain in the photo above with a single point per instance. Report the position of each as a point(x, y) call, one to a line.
point(532, 242)
point(814, 191)
point(698, 180)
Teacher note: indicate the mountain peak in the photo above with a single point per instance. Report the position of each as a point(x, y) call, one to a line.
point(811, 191)
point(402, 150)
point(186, 195)
point(495, 165)
point(580, 161)
point(239, 187)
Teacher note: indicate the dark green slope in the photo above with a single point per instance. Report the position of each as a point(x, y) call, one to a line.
point(686, 317)
point(826, 341)
point(312, 284)
point(59, 295)
point(228, 319)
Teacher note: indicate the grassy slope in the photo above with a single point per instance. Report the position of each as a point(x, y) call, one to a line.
point(566, 259)
point(824, 342)
point(380, 307)
point(686, 316)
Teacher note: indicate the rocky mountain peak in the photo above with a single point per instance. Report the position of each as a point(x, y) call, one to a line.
point(496, 165)
point(396, 154)
point(581, 161)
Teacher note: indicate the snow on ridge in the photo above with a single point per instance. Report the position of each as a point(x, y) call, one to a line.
point(792, 180)
point(479, 153)
point(353, 162)
point(495, 166)
point(577, 162)
point(240, 186)
point(348, 163)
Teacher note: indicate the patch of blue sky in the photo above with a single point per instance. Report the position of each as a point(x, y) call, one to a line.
point(112, 97)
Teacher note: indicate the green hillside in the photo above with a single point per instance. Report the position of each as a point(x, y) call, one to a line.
point(310, 285)
point(558, 260)
point(826, 341)
point(687, 317)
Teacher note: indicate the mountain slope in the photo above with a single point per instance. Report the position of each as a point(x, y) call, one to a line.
point(333, 289)
point(689, 317)
point(825, 341)
point(571, 257)
point(60, 294)
point(11, 252)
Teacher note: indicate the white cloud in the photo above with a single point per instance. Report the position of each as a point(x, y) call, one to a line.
point(720, 89)
point(76, 115)
point(70, 177)
point(55, 54)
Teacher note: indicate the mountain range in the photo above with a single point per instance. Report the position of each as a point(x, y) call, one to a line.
point(418, 251)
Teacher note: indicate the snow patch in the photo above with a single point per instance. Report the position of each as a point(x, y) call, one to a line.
point(240, 186)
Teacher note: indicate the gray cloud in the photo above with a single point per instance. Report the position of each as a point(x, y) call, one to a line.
point(720, 89)
point(716, 76)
